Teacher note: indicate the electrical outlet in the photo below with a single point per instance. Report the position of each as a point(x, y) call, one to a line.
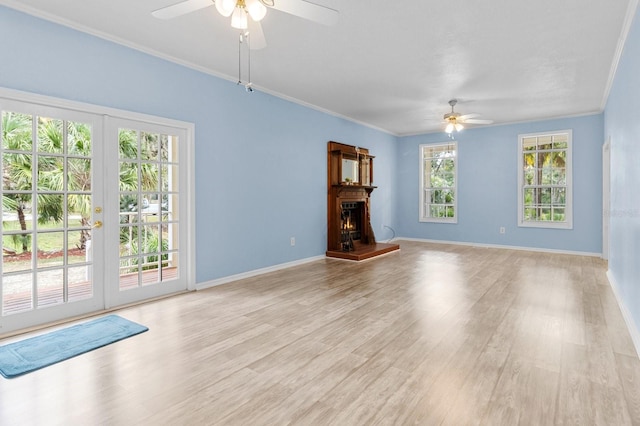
point(502, 230)
point(293, 241)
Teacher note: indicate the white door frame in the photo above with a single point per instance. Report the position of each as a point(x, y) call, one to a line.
point(606, 197)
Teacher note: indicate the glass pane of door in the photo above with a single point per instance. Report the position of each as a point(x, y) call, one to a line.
point(47, 199)
point(149, 248)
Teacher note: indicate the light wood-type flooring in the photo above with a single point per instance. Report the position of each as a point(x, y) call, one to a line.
point(432, 334)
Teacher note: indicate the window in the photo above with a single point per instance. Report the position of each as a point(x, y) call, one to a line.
point(438, 182)
point(544, 180)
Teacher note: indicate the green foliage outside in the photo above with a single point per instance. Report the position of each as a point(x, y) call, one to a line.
point(440, 173)
point(152, 147)
point(150, 244)
point(545, 180)
point(54, 174)
point(19, 178)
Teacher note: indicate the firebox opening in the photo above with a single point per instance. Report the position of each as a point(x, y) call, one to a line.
point(351, 224)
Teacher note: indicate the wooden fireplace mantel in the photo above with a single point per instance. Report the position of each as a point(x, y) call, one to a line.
point(349, 187)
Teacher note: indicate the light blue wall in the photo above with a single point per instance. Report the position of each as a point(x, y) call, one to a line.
point(487, 187)
point(622, 126)
point(261, 183)
point(260, 160)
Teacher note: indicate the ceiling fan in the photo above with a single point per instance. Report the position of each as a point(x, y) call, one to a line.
point(455, 121)
point(241, 10)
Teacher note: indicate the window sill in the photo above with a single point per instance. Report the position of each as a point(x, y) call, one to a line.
point(437, 220)
point(546, 225)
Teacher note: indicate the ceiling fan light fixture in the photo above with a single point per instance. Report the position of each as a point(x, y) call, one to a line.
point(449, 127)
point(239, 18)
point(256, 9)
point(225, 7)
point(459, 127)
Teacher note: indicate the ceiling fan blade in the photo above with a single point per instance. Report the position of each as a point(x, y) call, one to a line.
point(467, 116)
point(307, 10)
point(257, 40)
point(181, 8)
point(476, 121)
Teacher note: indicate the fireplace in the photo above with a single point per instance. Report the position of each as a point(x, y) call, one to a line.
point(351, 218)
point(350, 177)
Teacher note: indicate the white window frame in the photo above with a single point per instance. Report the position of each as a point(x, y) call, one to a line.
point(423, 213)
point(568, 222)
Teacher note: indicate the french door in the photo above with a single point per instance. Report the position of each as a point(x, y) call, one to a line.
point(147, 248)
point(94, 212)
point(52, 196)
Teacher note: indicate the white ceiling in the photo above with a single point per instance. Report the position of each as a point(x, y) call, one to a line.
point(392, 65)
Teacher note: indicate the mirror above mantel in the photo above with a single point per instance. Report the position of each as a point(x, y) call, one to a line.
point(350, 170)
point(350, 165)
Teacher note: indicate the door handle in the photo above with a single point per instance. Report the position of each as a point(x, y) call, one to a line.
point(97, 224)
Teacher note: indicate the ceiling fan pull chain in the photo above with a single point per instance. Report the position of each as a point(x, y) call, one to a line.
point(239, 59)
point(249, 84)
point(245, 38)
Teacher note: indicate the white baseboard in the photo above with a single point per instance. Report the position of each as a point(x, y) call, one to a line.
point(500, 246)
point(628, 319)
point(256, 272)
